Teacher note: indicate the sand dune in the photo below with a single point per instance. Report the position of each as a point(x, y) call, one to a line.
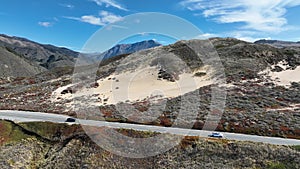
point(138, 86)
point(287, 76)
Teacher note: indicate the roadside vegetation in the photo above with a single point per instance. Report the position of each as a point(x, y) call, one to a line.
point(37, 148)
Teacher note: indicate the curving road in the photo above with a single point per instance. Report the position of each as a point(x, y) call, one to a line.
point(23, 116)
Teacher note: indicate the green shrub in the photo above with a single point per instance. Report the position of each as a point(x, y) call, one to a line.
point(276, 165)
point(297, 147)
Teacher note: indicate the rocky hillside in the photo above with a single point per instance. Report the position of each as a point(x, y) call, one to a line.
point(15, 65)
point(263, 98)
point(262, 84)
point(47, 145)
point(47, 56)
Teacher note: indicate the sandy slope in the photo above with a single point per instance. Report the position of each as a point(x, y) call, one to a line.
point(285, 77)
point(137, 86)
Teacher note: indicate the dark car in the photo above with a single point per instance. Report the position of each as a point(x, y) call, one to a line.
point(70, 120)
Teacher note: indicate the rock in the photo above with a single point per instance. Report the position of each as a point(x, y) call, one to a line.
point(277, 69)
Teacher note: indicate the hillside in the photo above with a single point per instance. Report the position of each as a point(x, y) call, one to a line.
point(278, 43)
point(47, 145)
point(262, 85)
point(14, 65)
point(47, 56)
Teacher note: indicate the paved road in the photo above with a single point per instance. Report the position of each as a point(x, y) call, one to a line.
point(22, 116)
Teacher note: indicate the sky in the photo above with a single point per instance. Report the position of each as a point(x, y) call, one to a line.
point(71, 23)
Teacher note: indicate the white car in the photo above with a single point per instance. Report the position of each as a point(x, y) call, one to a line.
point(216, 135)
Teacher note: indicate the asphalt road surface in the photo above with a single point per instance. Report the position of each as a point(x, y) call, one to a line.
point(23, 116)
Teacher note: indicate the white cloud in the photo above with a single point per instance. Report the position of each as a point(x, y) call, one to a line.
point(109, 3)
point(249, 36)
point(70, 6)
point(91, 19)
point(104, 18)
point(144, 34)
point(206, 36)
point(110, 27)
point(107, 17)
point(137, 21)
point(259, 15)
point(87, 19)
point(45, 24)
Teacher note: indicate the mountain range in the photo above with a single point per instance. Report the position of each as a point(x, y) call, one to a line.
point(47, 56)
point(32, 58)
point(278, 43)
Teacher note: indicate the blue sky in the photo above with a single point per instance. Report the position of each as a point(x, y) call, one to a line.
point(70, 23)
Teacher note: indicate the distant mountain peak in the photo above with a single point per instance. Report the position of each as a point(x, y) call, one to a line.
point(141, 42)
point(129, 48)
